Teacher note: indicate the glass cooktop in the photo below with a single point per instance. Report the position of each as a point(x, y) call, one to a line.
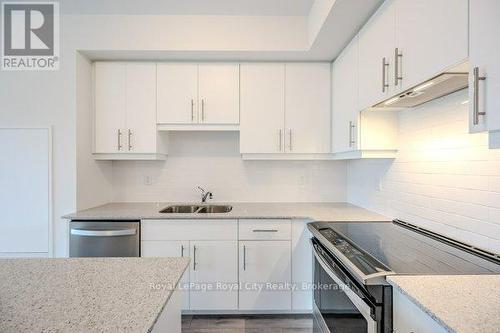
point(383, 246)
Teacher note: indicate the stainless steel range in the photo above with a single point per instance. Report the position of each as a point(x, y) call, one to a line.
point(352, 260)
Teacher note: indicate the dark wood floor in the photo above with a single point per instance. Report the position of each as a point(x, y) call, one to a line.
point(248, 324)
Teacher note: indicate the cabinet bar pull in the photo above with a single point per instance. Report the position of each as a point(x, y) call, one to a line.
point(351, 133)
point(192, 110)
point(244, 257)
point(290, 139)
point(475, 86)
point(119, 140)
point(129, 139)
point(280, 143)
point(397, 57)
point(182, 250)
point(203, 110)
point(384, 69)
point(264, 230)
point(194, 257)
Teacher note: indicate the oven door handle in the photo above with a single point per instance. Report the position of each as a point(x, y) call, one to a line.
point(362, 307)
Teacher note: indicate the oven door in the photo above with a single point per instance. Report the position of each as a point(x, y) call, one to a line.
point(338, 306)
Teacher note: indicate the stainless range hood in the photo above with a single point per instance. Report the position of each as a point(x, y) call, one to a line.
point(440, 85)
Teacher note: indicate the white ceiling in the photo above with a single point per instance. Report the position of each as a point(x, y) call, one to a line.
point(188, 7)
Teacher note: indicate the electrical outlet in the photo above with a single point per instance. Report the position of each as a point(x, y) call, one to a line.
point(147, 180)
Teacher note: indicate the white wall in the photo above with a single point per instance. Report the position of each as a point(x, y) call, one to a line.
point(212, 160)
point(93, 183)
point(443, 178)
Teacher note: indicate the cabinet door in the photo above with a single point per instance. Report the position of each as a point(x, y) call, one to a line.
point(170, 249)
point(307, 108)
point(262, 108)
point(484, 51)
point(265, 265)
point(345, 99)
point(141, 107)
point(219, 93)
point(214, 266)
point(177, 93)
point(432, 35)
point(376, 47)
point(408, 317)
point(110, 106)
point(302, 265)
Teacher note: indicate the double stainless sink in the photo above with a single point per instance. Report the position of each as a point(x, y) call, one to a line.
point(199, 209)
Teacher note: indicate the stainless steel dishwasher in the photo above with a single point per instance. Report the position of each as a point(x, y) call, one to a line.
point(104, 239)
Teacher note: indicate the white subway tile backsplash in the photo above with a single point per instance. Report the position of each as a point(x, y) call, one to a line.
point(443, 178)
point(212, 160)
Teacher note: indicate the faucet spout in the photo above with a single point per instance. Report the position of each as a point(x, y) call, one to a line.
point(205, 194)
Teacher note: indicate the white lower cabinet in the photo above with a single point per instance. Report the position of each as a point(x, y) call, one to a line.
point(265, 275)
point(236, 266)
point(408, 317)
point(214, 275)
point(170, 249)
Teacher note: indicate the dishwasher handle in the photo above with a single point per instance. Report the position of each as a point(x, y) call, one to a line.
point(103, 233)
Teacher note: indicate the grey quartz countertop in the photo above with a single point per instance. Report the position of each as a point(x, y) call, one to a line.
point(336, 211)
point(85, 294)
point(459, 303)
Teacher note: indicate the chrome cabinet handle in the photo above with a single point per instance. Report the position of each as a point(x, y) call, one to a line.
point(385, 64)
point(475, 98)
point(129, 140)
point(202, 109)
point(264, 230)
point(397, 58)
point(244, 258)
point(182, 250)
point(280, 136)
point(192, 110)
point(103, 233)
point(119, 140)
point(290, 139)
point(194, 257)
point(351, 133)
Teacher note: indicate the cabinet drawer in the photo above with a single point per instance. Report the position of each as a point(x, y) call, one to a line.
point(189, 230)
point(265, 230)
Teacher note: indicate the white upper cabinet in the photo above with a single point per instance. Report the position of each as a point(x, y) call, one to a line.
point(177, 93)
point(141, 107)
point(307, 105)
point(219, 93)
point(376, 52)
point(262, 108)
point(110, 104)
point(484, 50)
point(407, 42)
point(285, 108)
point(125, 111)
point(345, 108)
point(198, 93)
point(432, 35)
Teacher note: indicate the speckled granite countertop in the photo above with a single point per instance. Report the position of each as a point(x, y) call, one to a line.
point(337, 211)
point(459, 303)
point(85, 294)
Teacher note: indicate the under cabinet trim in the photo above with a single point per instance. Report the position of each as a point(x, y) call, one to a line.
point(198, 127)
point(129, 156)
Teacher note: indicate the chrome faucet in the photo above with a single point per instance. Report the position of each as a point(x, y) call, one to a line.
point(205, 194)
